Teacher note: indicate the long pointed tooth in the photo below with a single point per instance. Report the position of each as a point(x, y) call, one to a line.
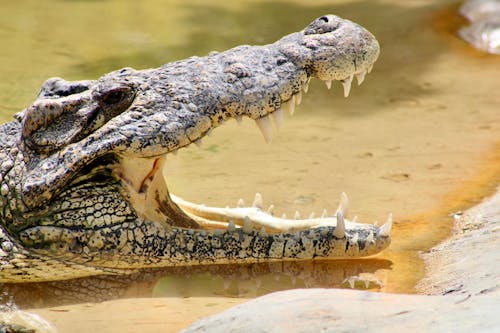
point(311, 216)
point(291, 106)
point(385, 229)
point(324, 213)
point(265, 127)
point(343, 205)
point(297, 215)
point(355, 219)
point(278, 118)
point(247, 225)
point(298, 98)
point(231, 226)
point(369, 69)
point(306, 85)
point(257, 202)
point(239, 119)
point(328, 84)
point(270, 209)
point(198, 143)
point(340, 228)
point(263, 232)
point(360, 77)
point(347, 85)
point(240, 203)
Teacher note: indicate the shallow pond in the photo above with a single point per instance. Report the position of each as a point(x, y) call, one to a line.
point(420, 138)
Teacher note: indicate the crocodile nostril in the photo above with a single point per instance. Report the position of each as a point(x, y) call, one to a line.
point(324, 19)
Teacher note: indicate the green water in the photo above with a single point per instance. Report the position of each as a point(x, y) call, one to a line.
point(419, 128)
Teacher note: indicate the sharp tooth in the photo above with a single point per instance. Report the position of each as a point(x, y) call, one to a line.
point(355, 219)
point(370, 238)
point(385, 230)
point(306, 85)
point(257, 202)
point(198, 143)
point(347, 85)
point(283, 216)
point(343, 205)
point(291, 105)
point(270, 210)
point(328, 84)
point(239, 119)
point(247, 225)
point(265, 127)
point(240, 203)
point(324, 213)
point(298, 98)
point(360, 77)
point(311, 216)
point(339, 231)
point(231, 227)
point(263, 232)
point(369, 69)
point(278, 118)
point(297, 215)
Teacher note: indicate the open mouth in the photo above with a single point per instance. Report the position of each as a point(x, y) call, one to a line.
point(149, 196)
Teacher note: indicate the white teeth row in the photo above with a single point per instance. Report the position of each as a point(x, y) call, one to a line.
point(264, 124)
point(346, 83)
point(255, 217)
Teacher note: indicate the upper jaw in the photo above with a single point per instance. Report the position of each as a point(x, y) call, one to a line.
point(179, 103)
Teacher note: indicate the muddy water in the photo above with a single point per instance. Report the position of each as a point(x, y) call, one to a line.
point(420, 138)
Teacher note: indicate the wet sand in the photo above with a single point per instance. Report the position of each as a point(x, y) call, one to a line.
point(420, 139)
point(463, 268)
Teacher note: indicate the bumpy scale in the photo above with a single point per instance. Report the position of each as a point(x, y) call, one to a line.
point(81, 186)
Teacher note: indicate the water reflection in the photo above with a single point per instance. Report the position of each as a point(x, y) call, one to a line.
point(214, 280)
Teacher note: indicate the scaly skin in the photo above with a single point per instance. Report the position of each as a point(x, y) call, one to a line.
point(81, 191)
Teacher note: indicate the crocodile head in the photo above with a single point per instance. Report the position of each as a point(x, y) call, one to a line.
point(84, 181)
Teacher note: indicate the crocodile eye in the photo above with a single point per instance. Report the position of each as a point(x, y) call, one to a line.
point(114, 97)
point(324, 19)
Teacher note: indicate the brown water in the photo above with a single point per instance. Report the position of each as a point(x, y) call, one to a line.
point(420, 138)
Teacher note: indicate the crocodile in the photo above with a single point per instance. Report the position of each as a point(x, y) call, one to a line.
point(81, 181)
